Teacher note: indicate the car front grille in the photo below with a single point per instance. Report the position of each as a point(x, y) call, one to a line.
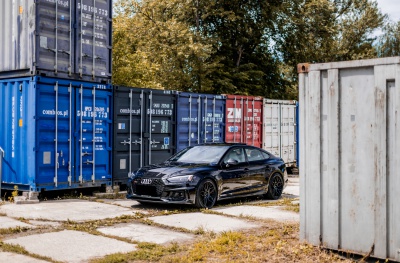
point(154, 189)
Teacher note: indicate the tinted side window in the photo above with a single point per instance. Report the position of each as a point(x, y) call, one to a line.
point(236, 154)
point(254, 154)
point(266, 155)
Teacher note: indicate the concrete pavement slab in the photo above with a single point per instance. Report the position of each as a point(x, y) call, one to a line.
point(63, 210)
point(145, 233)
point(125, 203)
point(202, 221)
point(273, 212)
point(71, 246)
point(6, 222)
point(12, 257)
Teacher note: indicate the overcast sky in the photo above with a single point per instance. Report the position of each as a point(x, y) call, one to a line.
point(391, 7)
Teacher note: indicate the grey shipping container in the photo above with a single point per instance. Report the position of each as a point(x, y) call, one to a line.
point(350, 156)
point(144, 129)
point(280, 129)
point(56, 38)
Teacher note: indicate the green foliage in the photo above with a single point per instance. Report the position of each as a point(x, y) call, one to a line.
point(236, 47)
point(389, 42)
point(318, 31)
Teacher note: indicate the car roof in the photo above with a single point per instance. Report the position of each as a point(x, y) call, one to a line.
point(221, 144)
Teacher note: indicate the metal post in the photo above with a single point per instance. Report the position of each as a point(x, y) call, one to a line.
point(1, 167)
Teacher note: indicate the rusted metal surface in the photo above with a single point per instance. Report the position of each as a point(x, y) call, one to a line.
point(350, 151)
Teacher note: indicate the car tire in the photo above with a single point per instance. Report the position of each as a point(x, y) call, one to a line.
point(206, 194)
point(275, 187)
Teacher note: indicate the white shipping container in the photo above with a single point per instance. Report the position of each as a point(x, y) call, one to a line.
point(350, 156)
point(280, 129)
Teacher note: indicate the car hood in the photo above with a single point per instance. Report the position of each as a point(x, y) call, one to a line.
point(167, 170)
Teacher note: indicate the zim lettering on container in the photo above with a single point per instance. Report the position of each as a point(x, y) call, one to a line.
point(244, 120)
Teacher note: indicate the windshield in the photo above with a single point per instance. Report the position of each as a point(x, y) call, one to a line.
point(200, 154)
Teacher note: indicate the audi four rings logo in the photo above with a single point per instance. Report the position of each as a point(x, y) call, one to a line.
point(146, 181)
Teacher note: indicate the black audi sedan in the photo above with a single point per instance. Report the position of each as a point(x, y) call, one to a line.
point(204, 174)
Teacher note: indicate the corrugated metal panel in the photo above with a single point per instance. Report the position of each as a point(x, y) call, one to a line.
point(40, 131)
point(280, 129)
point(200, 119)
point(244, 120)
point(144, 129)
point(349, 156)
point(54, 38)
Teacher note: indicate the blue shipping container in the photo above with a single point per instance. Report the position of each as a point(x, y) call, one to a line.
point(200, 119)
point(56, 134)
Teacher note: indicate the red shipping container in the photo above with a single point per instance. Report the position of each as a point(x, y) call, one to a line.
point(244, 120)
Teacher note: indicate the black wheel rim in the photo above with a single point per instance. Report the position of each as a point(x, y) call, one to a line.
point(276, 186)
point(208, 194)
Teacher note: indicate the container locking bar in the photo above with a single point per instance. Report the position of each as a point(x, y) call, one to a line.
point(56, 163)
point(130, 133)
point(205, 120)
point(150, 122)
point(141, 126)
point(198, 119)
point(94, 42)
point(234, 120)
point(190, 118)
point(252, 128)
point(2, 154)
point(81, 53)
point(213, 121)
point(81, 135)
point(94, 134)
point(70, 136)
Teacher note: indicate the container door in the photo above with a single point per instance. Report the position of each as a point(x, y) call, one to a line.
point(288, 133)
point(93, 38)
point(252, 124)
point(128, 132)
point(212, 119)
point(54, 37)
point(189, 114)
point(17, 133)
point(271, 134)
point(160, 127)
point(92, 135)
point(53, 131)
point(234, 125)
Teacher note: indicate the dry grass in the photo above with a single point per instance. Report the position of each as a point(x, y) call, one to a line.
point(277, 242)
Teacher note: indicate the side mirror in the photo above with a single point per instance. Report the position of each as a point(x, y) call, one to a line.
point(230, 162)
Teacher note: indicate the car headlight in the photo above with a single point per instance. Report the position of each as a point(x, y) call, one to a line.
point(131, 175)
point(181, 179)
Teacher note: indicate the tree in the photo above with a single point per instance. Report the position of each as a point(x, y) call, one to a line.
point(249, 47)
point(155, 47)
point(318, 31)
point(389, 42)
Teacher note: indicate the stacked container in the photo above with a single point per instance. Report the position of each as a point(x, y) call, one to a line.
point(244, 120)
point(144, 129)
point(56, 100)
point(280, 129)
point(200, 119)
point(57, 38)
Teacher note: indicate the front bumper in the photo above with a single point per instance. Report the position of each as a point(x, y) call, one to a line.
point(180, 195)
